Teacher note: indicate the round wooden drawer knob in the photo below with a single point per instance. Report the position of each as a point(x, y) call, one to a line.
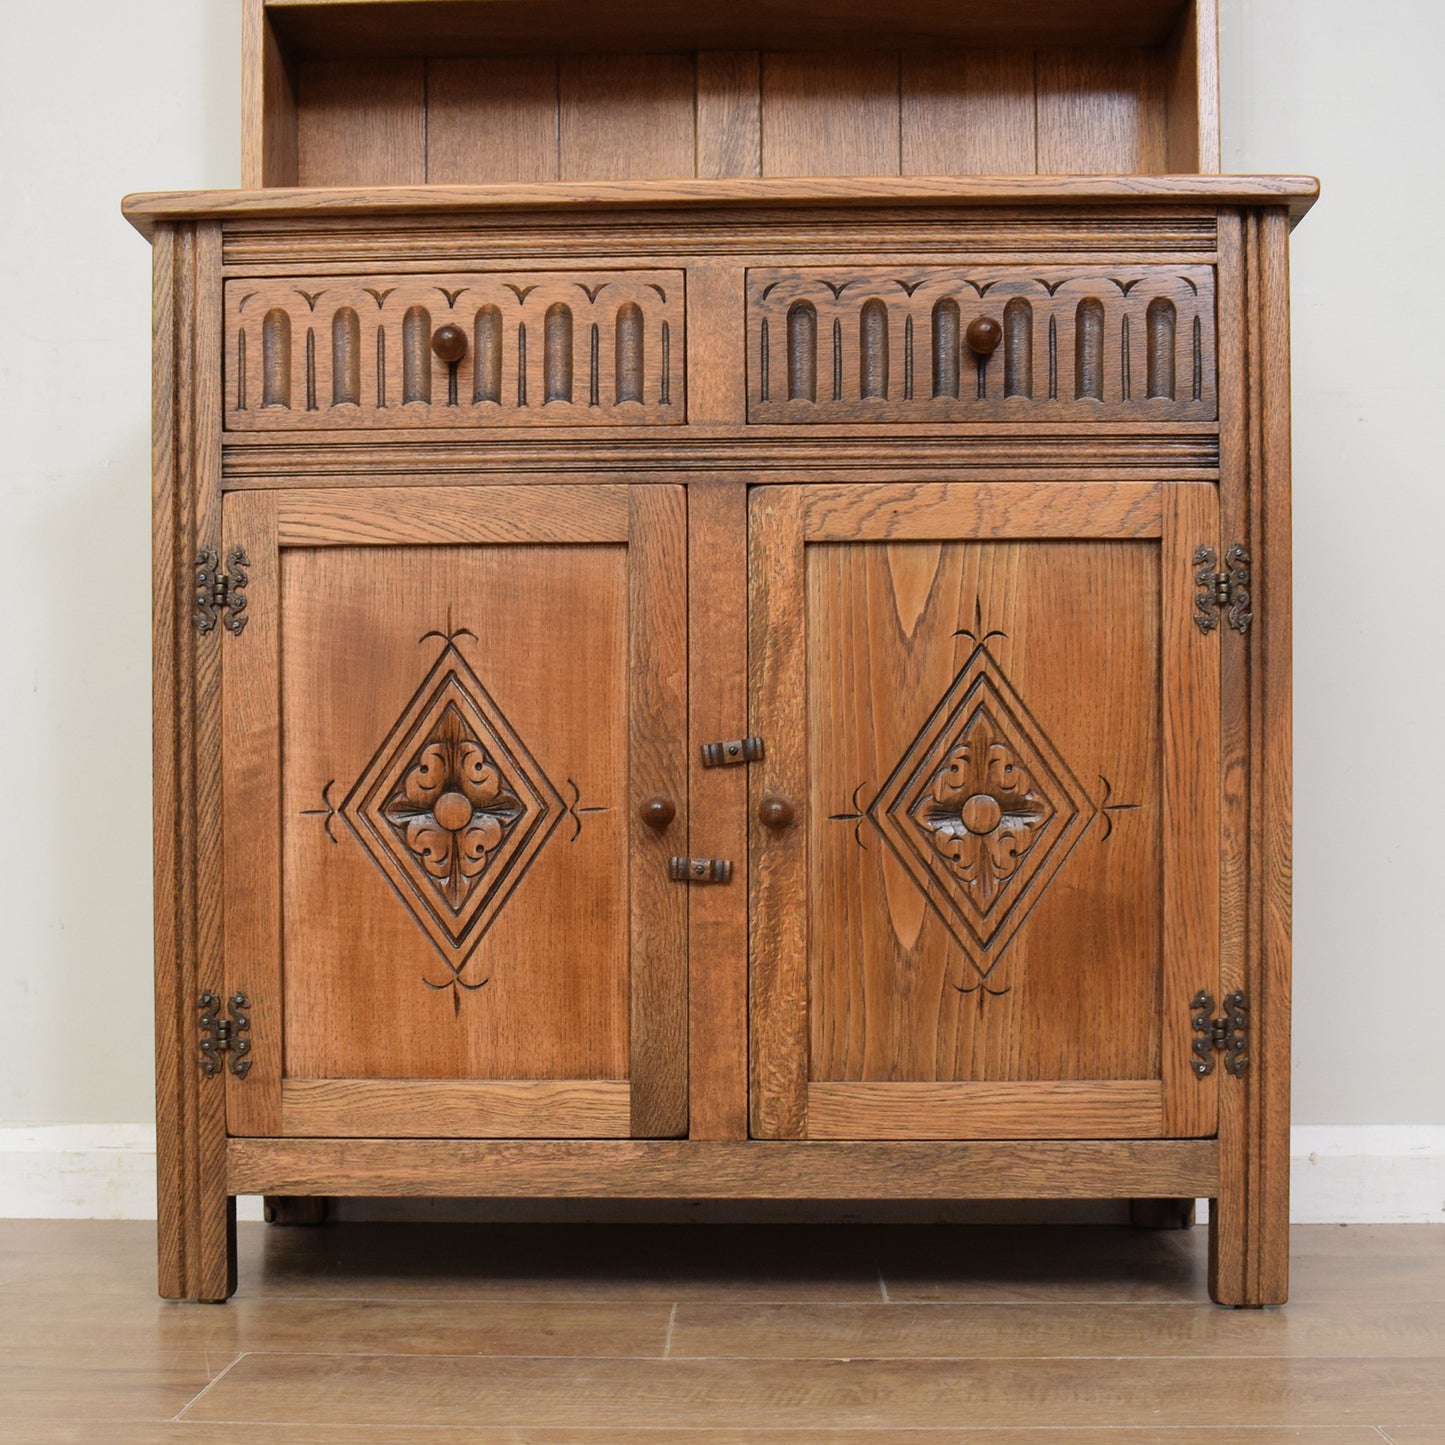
point(983, 335)
point(657, 811)
point(776, 811)
point(449, 343)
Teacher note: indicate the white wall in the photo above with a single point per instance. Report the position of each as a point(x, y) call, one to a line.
point(149, 98)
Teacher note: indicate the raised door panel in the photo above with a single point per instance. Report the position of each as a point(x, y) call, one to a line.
point(441, 903)
point(999, 730)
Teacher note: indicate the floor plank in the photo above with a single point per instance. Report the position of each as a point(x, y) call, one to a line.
point(982, 1331)
point(793, 1394)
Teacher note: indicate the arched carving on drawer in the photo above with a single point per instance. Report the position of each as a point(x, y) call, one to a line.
point(345, 357)
point(802, 351)
point(629, 352)
point(416, 354)
point(1018, 348)
point(873, 349)
point(276, 358)
point(487, 355)
point(557, 353)
point(1160, 322)
point(946, 330)
point(1089, 349)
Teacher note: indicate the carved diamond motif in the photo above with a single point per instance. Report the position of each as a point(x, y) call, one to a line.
point(453, 808)
point(982, 811)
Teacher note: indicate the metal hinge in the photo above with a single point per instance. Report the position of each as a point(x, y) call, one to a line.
point(734, 750)
point(1227, 1035)
point(700, 870)
point(219, 595)
point(221, 1035)
point(1226, 591)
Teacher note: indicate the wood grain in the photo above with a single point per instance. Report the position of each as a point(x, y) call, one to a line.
point(1101, 112)
point(830, 115)
point(625, 115)
point(1119, 1109)
point(729, 113)
point(718, 917)
point(509, 1109)
point(657, 669)
point(491, 120)
point(361, 123)
point(968, 112)
point(268, 104)
point(702, 1169)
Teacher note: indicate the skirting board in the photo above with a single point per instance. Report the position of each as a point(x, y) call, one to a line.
point(1340, 1174)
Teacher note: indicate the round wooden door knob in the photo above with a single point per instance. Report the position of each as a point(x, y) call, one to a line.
point(449, 342)
point(983, 335)
point(657, 811)
point(776, 811)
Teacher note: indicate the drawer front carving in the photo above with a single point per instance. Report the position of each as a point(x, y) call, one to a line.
point(543, 348)
point(987, 343)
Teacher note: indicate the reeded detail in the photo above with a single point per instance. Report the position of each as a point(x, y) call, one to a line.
point(416, 355)
point(802, 351)
point(1160, 323)
point(1018, 348)
point(629, 352)
point(557, 349)
point(1089, 349)
point(873, 350)
point(487, 353)
point(947, 328)
point(276, 358)
point(345, 357)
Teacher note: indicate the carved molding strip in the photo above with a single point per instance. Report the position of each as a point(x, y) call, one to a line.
point(890, 344)
point(544, 348)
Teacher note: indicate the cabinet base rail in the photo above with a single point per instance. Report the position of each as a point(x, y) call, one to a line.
point(705, 1169)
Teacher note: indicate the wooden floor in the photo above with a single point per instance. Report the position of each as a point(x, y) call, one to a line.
point(691, 1333)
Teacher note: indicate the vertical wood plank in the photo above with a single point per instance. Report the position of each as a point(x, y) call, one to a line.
point(491, 120)
point(361, 123)
point(778, 866)
point(729, 113)
point(174, 965)
point(268, 104)
point(1272, 861)
point(1192, 82)
point(623, 116)
point(718, 917)
point(657, 713)
point(196, 1220)
point(251, 754)
point(830, 114)
point(968, 112)
point(1191, 810)
point(1101, 112)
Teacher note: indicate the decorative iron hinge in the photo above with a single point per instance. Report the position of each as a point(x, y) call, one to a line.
point(221, 1035)
point(219, 595)
point(1226, 591)
point(1227, 1035)
point(734, 750)
point(700, 870)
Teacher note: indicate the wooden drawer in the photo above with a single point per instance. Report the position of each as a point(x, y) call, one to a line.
point(544, 348)
point(892, 344)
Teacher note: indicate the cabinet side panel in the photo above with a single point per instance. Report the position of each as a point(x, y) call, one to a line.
point(1101, 112)
point(729, 113)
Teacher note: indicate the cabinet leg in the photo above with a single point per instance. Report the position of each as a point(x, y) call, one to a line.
point(1161, 1213)
point(1249, 1249)
point(296, 1208)
point(196, 1247)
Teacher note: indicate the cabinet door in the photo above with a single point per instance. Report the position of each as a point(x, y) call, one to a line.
point(998, 725)
point(442, 905)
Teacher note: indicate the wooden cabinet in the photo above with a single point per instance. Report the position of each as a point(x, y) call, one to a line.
point(675, 681)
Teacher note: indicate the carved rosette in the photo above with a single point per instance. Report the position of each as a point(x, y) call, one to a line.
point(453, 808)
point(982, 811)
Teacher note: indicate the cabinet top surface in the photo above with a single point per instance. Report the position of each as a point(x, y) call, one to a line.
point(145, 210)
